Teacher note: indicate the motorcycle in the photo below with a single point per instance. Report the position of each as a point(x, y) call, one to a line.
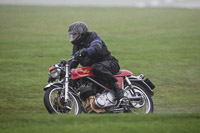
point(79, 91)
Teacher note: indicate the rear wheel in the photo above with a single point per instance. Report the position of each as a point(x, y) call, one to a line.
point(55, 103)
point(142, 102)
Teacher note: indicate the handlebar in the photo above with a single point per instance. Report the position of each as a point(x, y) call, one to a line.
point(71, 59)
point(63, 62)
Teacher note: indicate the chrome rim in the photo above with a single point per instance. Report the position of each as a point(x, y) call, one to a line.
point(56, 99)
point(141, 105)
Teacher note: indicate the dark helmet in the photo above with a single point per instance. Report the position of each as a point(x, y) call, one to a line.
point(78, 28)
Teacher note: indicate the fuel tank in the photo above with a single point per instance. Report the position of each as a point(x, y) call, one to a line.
point(81, 72)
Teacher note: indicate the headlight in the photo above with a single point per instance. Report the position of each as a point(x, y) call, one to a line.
point(55, 73)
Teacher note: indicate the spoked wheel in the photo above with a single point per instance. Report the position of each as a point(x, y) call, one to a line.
point(55, 103)
point(142, 102)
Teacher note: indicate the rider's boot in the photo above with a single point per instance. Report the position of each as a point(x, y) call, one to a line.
point(119, 93)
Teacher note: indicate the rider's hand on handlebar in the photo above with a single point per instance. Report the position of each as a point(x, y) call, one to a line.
point(81, 53)
point(62, 63)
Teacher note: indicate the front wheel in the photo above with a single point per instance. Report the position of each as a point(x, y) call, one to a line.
point(142, 102)
point(55, 103)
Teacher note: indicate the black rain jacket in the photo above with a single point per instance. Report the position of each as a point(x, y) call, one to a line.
point(97, 51)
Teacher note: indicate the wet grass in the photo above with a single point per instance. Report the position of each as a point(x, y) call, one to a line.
point(117, 123)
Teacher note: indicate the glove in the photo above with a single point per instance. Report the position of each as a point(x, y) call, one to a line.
point(81, 53)
point(62, 63)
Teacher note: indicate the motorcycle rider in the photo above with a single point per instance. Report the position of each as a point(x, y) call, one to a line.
point(90, 50)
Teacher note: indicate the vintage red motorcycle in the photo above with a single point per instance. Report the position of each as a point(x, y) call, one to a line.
point(79, 91)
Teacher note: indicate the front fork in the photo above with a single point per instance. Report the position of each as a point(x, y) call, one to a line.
point(66, 87)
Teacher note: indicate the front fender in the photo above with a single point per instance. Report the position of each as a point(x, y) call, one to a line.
point(55, 84)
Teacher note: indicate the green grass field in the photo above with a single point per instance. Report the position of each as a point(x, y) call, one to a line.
point(115, 123)
point(164, 44)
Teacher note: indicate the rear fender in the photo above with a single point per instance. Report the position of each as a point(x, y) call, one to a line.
point(144, 83)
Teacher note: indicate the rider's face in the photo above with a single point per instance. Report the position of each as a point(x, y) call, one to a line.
point(73, 36)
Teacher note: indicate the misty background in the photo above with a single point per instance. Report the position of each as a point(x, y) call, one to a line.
point(109, 3)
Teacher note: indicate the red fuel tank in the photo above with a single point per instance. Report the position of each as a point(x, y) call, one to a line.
point(81, 72)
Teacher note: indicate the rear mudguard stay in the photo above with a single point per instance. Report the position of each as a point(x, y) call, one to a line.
point(143, 84)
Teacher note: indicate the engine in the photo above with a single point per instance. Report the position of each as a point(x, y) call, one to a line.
point(107, 99)
point(93, 95)
point(86, 89)
point(101, 100)
point(104, 100)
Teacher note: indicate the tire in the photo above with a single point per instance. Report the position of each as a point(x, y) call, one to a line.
point(56, 104)
point(138, 107)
